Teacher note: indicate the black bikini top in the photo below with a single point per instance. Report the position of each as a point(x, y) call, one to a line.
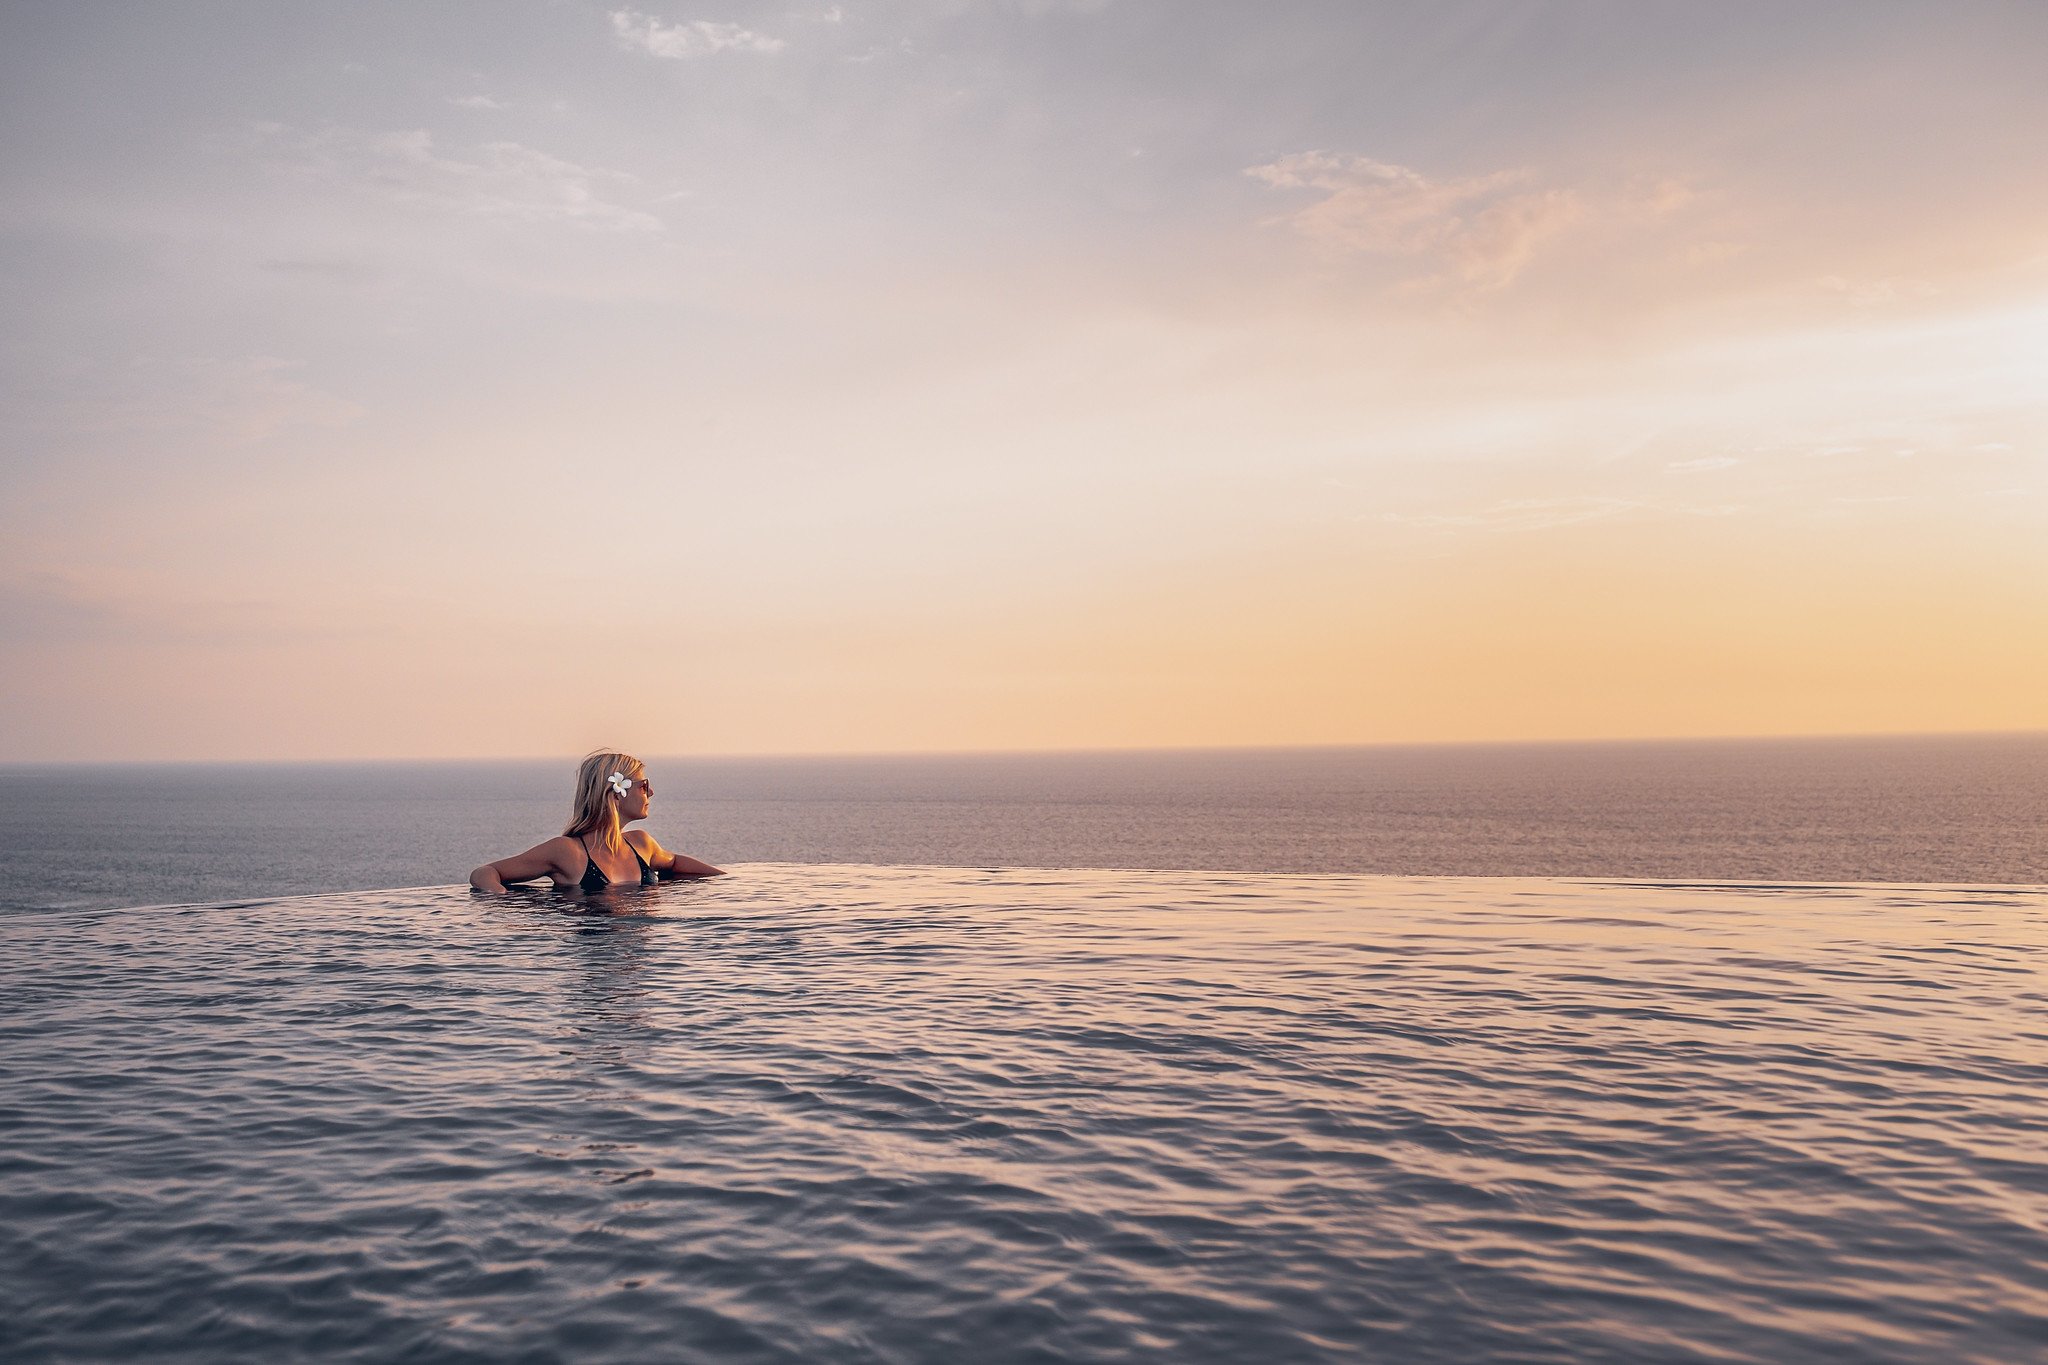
point(593, 875)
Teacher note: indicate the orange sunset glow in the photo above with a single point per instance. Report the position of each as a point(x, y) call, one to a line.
point(1020, 376)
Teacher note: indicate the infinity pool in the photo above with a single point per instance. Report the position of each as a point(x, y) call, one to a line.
point(890, 1114)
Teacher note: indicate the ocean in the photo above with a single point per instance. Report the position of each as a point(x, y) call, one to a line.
point(1951, 809)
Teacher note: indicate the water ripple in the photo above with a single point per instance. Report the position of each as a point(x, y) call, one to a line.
point(906, 1115)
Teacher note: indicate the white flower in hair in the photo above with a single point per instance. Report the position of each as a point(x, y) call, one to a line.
point(621, 783)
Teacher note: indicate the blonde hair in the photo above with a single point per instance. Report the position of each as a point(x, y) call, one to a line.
point(597, 805)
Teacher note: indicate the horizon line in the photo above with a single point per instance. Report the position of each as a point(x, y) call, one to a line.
point(1075, 751)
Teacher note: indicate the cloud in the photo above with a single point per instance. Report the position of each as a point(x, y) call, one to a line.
point(1494, 246)
point(474, 102)
point(902, 47)
point(1705, 462)
point(1477, 233)
point(508, 180)
point(1481, 231)
point(689, 38)
point(1372, 205)
point(500, 180)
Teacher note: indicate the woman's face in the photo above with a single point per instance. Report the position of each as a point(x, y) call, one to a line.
point(638, 798)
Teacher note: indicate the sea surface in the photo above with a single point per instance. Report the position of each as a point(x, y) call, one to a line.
point(941, 1114)
point(1968, 809)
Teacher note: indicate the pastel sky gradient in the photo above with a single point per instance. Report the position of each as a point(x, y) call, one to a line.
point(390, 379)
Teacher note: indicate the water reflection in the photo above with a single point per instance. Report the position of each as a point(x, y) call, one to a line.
point(608, 945)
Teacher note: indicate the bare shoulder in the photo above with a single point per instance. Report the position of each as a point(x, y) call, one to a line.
point(563, 849)
point(642, 840)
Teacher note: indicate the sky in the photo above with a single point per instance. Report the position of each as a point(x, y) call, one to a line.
point(398, 380)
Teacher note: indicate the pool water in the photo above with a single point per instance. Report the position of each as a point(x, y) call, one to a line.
point(914, 1114)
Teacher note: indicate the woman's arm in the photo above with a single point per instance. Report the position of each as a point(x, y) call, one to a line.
point(538, 861)
point(683, 865)
point(672, 864)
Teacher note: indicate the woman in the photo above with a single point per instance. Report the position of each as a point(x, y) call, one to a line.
point(596, 851)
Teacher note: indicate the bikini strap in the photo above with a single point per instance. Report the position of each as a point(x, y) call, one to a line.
point(590, 859)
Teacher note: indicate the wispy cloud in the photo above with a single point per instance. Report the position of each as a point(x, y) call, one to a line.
point(500, 180)
point(688, 38)
point(902, 47)
point(1476, 232)
point(474, 102)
